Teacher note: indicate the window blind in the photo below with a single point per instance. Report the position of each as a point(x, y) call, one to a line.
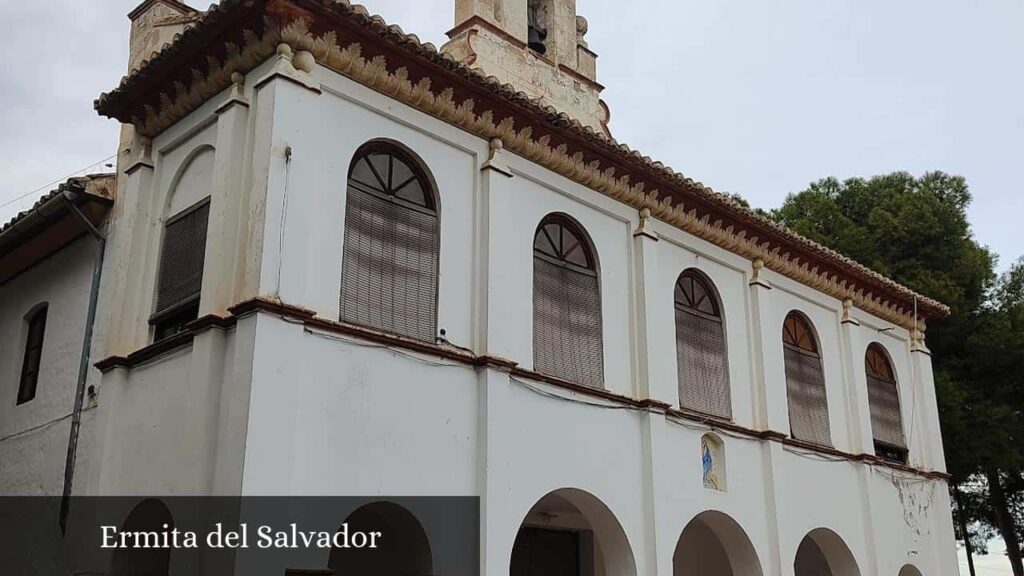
point(567, 330)
point(703, 376)
point(182, 256)
point(391, 245)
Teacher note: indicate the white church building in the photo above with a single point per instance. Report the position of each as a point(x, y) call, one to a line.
point(335, 260)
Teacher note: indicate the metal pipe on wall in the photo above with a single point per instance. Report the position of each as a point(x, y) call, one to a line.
point(83, 366)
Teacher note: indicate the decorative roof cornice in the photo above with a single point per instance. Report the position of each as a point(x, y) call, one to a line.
point(237, 35)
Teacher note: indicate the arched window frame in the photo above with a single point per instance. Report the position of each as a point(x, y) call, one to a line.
point(553, 344)
point(805, 378)
point(184, 234)
point(889, 444)
point(31, 364)
point(702, 365)
point(385, 191)
point(369, 195)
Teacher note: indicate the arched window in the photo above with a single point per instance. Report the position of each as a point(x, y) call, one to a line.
point(389, 267)
point(884, 401)
point(703, 374)
point(36, 321)
point(805, 381)
point(567, 340)
point(183, 249)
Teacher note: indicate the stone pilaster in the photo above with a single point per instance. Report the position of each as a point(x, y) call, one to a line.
point(854, 382)
point(229, 204)
point(771, 410)
point(497, 185)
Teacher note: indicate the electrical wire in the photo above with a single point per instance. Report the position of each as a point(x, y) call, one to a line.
point(703, 425)
point(55, 182)
point(364, 344)
point(43, 425)
point(549, 394)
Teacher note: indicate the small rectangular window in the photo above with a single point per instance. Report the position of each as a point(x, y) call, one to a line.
point(890, 453)
point(33, 355)
point(180, 278)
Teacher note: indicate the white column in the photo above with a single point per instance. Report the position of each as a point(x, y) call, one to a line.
point(503, 333)
point(279, 95)
point(924, 430)
point(855, 381)
point(858, 414)
point(647, 276)
point(772, 410)
point(229, 205)
point(128, 250)
point(499, 522)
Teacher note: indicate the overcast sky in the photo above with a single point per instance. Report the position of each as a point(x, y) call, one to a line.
point(752, 97)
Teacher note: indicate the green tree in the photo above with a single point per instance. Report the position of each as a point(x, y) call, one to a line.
point(915, 230)
point(998, 385)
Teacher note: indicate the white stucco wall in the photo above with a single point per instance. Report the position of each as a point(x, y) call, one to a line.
point(35, 434)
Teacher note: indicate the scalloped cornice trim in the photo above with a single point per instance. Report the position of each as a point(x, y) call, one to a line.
point(175, 106)
point(374, 73)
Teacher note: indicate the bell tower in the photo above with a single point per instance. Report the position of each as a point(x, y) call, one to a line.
point(538, 47)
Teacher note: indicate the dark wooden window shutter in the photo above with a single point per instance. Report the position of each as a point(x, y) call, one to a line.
point(884, 402)
point(805, 382)
point(390, 258)
point(33, 355)
point(567, 332)
point(703, 374)
point(180, 279)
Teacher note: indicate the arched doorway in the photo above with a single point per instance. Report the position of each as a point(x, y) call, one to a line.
point(150, 515)
point(713, 544)
point(823, 553)
point(570, 532)
point(910, 570)
point(405, 551)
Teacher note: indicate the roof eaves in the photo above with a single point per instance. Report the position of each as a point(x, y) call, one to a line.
point(79, 189)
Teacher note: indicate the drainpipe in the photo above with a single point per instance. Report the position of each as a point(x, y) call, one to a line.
point(83, 365)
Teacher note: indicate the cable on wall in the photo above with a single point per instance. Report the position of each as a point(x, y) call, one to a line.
point(284, 216)
point(705, 425)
